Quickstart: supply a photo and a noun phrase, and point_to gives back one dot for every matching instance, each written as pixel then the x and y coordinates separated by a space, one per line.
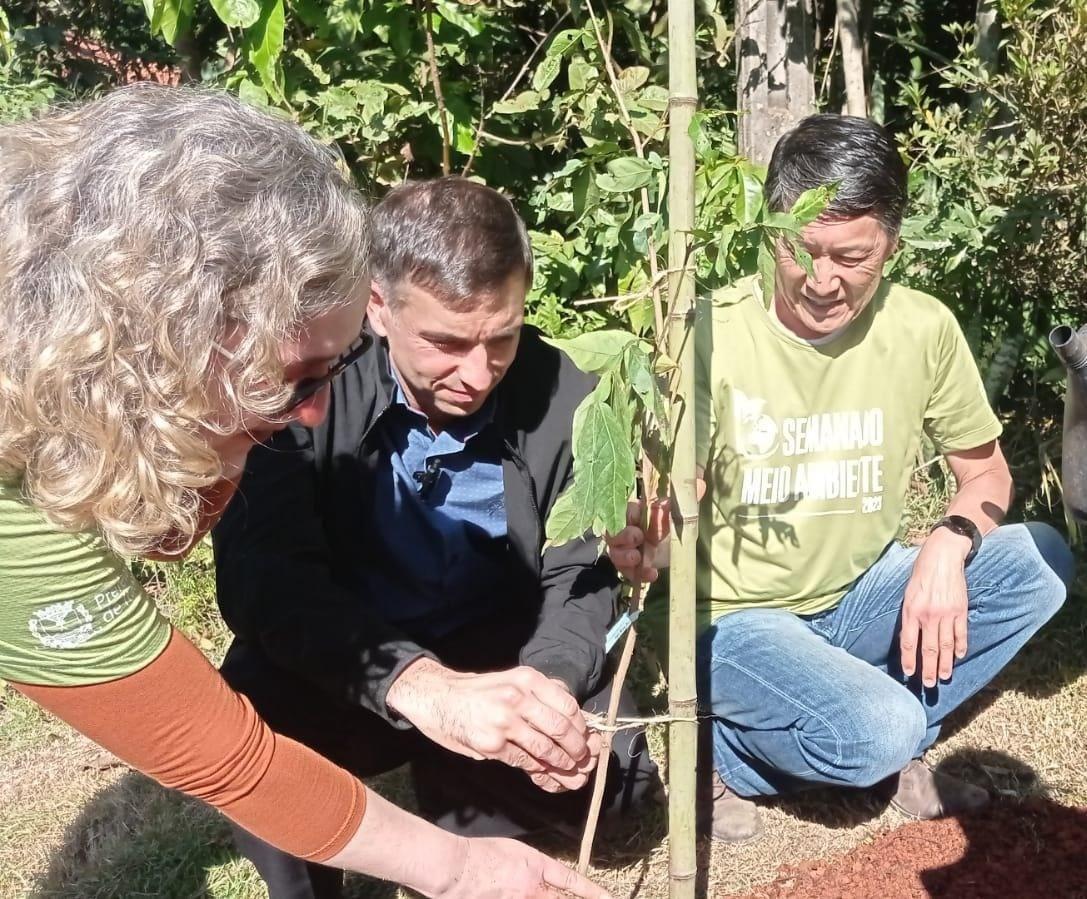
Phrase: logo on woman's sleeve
pixel 62 625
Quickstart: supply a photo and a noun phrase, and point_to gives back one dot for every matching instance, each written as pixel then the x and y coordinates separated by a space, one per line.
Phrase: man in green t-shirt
pixel 830 654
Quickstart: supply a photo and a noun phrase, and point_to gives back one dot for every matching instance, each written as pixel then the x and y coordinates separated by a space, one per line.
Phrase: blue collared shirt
pixel 439 516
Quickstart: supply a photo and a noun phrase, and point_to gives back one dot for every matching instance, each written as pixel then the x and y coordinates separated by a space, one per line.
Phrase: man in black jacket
pixel 385 573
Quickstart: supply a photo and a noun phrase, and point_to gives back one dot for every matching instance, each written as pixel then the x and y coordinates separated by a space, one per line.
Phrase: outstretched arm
pixel 179 722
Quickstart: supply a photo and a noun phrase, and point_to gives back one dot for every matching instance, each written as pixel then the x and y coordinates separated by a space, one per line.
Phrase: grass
pixel 77 825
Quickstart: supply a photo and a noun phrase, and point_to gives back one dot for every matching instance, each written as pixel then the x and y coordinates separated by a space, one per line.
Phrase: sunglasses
pixel 307 387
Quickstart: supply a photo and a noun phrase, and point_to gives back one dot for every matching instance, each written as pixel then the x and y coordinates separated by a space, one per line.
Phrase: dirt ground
pixel 1030 849
pixel 75 825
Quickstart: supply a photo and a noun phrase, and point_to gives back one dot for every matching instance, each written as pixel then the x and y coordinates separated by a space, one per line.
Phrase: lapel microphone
pixel 427 478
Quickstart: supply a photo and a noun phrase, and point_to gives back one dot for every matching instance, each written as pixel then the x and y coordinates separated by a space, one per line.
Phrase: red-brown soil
pixel 1012 851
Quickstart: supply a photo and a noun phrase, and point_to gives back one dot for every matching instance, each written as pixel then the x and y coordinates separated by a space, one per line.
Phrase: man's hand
pixel 935 607
pixel 518 716
pixel 640 554
pixel 506 869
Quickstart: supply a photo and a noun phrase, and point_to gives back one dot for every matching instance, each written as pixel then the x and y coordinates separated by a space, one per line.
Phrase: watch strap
pixel 960 524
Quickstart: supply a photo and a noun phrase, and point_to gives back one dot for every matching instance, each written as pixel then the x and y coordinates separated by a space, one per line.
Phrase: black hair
pixel 856 153
pixel 456 238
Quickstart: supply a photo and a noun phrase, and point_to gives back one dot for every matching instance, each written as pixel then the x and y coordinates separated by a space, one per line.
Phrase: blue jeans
pixel 802 701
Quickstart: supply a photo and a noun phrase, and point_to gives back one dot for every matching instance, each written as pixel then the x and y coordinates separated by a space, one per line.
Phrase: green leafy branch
pixel 627 413
pixel 626 409
pixel 786 226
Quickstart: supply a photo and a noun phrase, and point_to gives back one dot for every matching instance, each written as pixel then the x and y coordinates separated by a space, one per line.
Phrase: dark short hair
pixel 856 153
pixel 456 238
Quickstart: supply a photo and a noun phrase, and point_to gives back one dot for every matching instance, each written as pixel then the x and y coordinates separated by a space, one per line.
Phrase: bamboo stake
pixel 607 734
pixel 683 733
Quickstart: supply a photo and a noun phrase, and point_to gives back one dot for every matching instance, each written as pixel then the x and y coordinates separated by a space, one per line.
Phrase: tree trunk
pixel 775 87
pixel 683 732
pixel 988 33
pixel 849 21
pixel 987 43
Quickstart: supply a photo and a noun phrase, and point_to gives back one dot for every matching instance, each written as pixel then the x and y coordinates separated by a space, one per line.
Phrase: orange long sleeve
pixel 178 722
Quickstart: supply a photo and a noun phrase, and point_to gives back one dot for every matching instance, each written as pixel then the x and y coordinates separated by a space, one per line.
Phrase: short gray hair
pixel 857 154
pixel 138 229
pixel 456 238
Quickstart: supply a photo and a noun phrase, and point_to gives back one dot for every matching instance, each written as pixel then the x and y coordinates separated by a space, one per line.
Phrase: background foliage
pixel 561 105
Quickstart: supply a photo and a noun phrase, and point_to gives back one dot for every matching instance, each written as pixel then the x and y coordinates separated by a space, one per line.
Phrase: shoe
pixel 924 794
pixel 733 818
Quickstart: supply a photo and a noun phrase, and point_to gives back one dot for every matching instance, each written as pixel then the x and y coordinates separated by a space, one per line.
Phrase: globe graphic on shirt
pixel 756 433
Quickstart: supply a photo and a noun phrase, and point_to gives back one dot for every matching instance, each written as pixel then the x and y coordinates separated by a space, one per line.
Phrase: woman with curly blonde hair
pixel 181 276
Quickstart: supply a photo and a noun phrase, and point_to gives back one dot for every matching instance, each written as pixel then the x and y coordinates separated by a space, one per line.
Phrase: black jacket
pixel 291 549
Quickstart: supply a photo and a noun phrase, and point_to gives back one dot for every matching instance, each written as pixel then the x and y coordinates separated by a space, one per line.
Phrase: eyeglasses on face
pixel 307 387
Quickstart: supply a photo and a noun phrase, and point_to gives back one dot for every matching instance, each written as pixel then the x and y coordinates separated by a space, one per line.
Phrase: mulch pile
pixel 1012 851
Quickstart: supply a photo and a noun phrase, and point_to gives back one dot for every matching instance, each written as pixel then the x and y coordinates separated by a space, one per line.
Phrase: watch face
pixel 960 524
pixel 964 527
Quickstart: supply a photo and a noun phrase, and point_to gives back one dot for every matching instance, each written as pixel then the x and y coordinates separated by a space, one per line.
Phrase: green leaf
pixel 625 175
pixel 580 74
pixel 570 517
pixel 586 193
pixel 802 257
pixel 622 404
pixel 561 201
pixel 654 97
pixel 604 463
pixel 644 383
pixel 546 72
pixel 176 20
pixel 455 14
pixel 641 316
pixel 312 66
pixel 236 13
pixel 696 131
pixel 767 265
pixel 749 200
pixel 782 221
pixel 153 8
pixel 926 244
pixel 170 18
pixel 252 93
pixel 722 36
pixel 563 41
pixel 597 351
pixel 603 467
pixel 810 204
pixel 525 101
pixel 632 78
pixel 265 42
pixel 634 34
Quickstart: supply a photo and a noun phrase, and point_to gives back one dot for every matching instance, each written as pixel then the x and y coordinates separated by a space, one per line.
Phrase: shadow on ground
pixel 1019 847
pixel 135 838
pixel 1014 848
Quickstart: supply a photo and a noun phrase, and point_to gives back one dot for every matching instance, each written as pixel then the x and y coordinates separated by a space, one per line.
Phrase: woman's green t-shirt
pixel 71 613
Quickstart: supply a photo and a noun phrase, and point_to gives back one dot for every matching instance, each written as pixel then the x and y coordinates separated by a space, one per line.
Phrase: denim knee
pixel 1034 567
pixel 874 739
pixel 1053 550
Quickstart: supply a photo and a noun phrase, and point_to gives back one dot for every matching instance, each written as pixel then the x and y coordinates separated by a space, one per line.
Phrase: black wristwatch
pixel 960 524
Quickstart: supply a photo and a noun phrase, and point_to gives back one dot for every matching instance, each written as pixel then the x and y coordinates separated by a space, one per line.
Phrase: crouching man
pixel 385 572
pixel 830 653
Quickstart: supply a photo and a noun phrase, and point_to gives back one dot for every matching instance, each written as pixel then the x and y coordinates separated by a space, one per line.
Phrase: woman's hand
pixel 506 869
